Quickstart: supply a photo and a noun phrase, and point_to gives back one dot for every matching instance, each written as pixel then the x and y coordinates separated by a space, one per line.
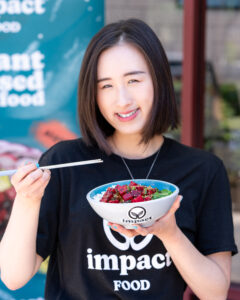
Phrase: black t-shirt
pixel 90 261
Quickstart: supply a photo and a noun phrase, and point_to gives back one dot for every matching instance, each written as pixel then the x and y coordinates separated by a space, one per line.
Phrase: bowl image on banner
pixel 128 214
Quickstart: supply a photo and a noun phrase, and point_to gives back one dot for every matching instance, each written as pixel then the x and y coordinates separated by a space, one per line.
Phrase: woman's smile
pixel 128 116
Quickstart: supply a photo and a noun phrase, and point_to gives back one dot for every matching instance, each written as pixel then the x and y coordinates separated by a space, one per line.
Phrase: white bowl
pixel 129 214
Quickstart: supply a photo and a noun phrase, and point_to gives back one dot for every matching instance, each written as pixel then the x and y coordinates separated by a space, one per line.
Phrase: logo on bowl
pixel 137 212
pixel 137 215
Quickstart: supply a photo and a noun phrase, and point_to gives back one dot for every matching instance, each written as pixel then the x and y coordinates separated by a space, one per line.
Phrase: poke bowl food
pixel 131 202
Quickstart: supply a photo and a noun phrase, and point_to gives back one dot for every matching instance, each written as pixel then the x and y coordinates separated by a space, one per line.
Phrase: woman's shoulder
pixel 190 154
pixel 68 150
pixel 66 145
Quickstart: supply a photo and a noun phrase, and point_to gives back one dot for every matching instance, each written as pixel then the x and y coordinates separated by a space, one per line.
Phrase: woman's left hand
pixel 164 227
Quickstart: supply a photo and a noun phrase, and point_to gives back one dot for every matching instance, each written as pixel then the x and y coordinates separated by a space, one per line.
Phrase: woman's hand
pixel 163 228
pixel 18 258
pixel 30 182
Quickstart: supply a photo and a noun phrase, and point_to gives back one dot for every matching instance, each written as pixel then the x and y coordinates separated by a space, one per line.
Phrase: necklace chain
pixel 152 165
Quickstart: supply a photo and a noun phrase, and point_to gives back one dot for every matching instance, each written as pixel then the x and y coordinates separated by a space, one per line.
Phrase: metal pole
pixel 192 106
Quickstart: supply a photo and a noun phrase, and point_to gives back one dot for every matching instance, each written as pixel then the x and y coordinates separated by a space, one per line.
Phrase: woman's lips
pixel 127 116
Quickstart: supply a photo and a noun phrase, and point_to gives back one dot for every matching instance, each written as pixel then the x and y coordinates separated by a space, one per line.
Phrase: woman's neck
pixel 128 146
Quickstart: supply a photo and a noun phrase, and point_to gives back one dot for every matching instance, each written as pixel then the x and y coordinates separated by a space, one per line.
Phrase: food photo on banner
pixel 41 48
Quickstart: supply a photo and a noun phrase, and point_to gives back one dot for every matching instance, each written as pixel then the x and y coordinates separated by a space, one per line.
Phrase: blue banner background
pixel 58 35
pixel 42 44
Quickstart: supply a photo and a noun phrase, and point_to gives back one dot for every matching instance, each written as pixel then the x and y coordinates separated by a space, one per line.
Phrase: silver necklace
pixel 130 173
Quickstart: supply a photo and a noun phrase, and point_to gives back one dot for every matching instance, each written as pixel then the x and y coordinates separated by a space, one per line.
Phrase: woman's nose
pixel 123 97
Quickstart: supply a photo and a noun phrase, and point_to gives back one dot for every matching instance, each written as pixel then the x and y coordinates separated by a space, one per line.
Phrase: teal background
pixel 67 27
pixel 61 33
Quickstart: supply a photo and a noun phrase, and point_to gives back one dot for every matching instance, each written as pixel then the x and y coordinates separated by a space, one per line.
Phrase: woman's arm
pixel 207 276
pixel 18 258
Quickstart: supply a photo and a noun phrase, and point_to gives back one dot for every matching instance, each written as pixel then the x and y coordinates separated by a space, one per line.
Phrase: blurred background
pixel 41 49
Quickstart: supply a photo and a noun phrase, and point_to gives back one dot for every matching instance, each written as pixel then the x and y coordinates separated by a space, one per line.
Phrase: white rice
pixel 99 196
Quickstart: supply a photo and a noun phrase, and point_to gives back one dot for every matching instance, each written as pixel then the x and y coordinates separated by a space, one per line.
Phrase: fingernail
pixel 135 227
pixel 109 226
pixel 115 227
pixel 37 165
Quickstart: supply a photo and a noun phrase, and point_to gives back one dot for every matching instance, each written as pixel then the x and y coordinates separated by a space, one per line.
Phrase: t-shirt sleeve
pixel 49 210
pixel 215 224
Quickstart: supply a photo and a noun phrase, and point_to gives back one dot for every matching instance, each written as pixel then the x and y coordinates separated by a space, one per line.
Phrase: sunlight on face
pixel 125 88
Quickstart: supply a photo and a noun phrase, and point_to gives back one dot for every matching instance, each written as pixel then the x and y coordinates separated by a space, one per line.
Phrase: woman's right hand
pixel 18 258
pixel 30 182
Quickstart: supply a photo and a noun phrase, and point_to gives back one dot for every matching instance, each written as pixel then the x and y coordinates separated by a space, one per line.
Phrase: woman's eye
pixel 106 86
pixel 133 80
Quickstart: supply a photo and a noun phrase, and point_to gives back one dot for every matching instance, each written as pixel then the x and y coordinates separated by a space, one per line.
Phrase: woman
pixel 126 103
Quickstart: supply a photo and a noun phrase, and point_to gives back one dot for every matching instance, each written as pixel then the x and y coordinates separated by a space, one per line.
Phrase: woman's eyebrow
pixel 125 74
pixel 134 73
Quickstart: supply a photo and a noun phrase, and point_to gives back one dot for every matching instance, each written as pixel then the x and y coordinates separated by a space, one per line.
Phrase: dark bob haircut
pixel 94 128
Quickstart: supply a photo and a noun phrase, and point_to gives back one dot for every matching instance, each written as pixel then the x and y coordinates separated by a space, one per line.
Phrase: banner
pixel 42 44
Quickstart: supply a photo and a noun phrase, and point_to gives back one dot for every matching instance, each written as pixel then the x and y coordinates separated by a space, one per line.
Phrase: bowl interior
pixel 148 182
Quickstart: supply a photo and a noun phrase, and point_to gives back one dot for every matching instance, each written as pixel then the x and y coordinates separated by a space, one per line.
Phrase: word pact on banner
pixel 27 7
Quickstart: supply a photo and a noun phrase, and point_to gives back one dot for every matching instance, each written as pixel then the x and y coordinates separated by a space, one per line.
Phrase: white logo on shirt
pixel 128 241
pixel 126 263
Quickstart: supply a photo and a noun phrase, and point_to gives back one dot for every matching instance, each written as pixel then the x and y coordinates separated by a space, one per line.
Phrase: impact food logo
pixel 126 262
pixel 137 212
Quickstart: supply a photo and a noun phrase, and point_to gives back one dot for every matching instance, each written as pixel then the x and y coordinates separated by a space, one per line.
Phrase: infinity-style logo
pixel 128 241
pixel 137 212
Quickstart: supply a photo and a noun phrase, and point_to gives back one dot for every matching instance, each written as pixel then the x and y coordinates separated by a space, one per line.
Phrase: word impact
pixel 125 263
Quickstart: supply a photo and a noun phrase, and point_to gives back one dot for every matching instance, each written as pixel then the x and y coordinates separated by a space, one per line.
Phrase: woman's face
pixel 125 88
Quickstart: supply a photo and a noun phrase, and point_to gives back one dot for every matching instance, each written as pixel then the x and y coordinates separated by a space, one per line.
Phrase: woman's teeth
pixel 128 115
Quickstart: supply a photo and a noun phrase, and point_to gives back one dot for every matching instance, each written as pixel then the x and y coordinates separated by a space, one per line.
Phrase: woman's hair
pixel 94 128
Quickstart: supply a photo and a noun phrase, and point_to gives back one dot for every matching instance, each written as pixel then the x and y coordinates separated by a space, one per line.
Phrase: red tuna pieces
pixel 138 199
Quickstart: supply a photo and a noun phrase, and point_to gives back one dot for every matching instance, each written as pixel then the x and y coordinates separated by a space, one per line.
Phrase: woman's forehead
pixel 121 58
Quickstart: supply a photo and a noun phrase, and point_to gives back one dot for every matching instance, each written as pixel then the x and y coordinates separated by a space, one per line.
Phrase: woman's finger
pixel 27 182
pixel 34 187
pixel 123 230
pixel 42 181
pixel 137 230
pixel 38 187
pixel 33 176
pixel 143 230
pixel 22 172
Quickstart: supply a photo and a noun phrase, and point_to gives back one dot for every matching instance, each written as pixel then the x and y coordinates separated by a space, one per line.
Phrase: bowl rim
pixel 176 192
